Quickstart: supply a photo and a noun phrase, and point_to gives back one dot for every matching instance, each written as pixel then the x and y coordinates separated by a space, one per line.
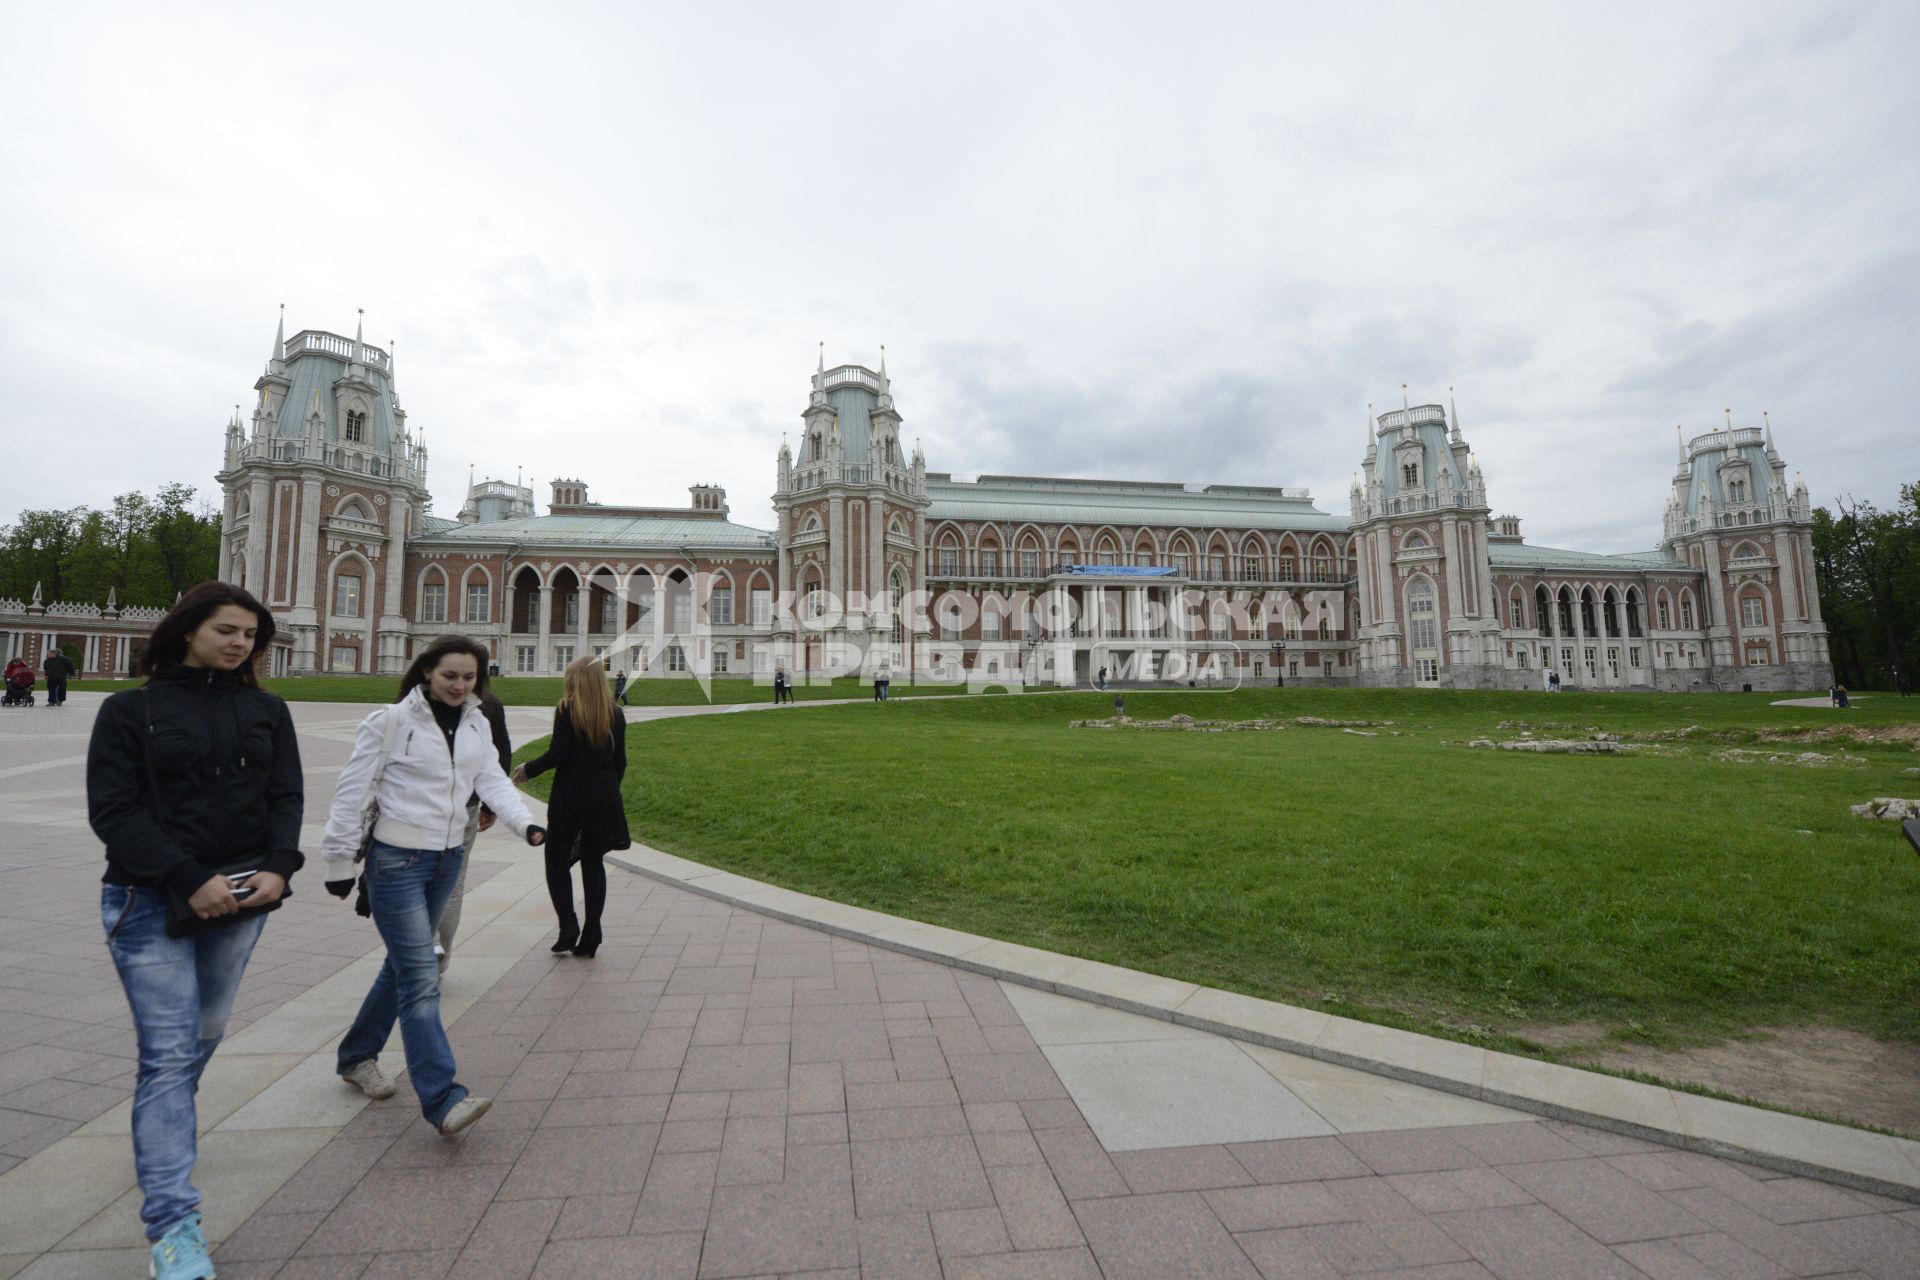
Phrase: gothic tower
pixel 1732 516
pixel 852 521
pixel 321 496
pixel 1425 590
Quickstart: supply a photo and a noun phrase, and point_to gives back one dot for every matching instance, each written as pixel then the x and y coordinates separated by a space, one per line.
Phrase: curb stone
pixel 1857 1158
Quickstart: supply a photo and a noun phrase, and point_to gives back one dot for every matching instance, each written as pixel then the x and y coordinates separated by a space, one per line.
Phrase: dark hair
pixel 446 646
pixel 167 646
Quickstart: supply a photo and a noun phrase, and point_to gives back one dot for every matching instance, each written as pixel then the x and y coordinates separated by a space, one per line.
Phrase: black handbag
pixel 182 920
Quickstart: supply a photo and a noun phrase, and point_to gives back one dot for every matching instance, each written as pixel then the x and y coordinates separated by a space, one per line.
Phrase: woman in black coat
pixel 585 816
pixel 195 787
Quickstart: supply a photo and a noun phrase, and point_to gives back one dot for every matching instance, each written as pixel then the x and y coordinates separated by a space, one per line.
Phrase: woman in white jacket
pixel 430 751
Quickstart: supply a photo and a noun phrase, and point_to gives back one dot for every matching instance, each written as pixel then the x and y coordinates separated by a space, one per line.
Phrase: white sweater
pixel 423 793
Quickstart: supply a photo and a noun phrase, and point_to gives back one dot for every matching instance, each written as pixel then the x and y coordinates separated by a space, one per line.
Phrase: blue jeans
pixel 181 991
pixel 408 891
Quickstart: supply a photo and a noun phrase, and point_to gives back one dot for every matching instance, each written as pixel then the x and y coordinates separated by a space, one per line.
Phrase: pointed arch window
pixel 356 427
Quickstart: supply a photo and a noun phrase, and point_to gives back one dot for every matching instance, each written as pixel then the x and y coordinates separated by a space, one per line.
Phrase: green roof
pixel 1061 500
pixel 637 532
pixel 1512 555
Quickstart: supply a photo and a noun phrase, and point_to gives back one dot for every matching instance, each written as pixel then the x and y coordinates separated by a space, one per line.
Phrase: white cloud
pixel 1107 240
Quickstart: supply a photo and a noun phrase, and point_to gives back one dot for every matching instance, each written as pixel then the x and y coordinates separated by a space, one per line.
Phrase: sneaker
pixel 370 1080
pixel 181 1254
pixel 464 1113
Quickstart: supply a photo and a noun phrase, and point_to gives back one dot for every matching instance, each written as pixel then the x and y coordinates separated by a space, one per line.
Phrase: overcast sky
pixel 1171 242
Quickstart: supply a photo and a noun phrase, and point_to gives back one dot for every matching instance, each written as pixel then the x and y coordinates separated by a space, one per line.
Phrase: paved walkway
pixel 721 1094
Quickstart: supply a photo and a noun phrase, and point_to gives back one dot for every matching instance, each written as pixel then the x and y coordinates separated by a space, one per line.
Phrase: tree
pixel 145 549
pixel 1868 563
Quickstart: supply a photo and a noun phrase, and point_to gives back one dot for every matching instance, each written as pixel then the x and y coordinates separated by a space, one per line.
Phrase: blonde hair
pixel 587 700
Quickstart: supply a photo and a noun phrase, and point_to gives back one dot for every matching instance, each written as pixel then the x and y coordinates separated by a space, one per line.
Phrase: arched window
pixel 1516 609
pixel 1423 637
pixel 1543 609
pixel 356 432
pixel 1753 610
pixel 1416 541
pixel 433 596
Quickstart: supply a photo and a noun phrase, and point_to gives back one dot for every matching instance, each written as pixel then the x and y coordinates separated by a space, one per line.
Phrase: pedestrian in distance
pixel 401 801
pixel 886 684
pixel 878 688
pixel 479 819
pixel 781 693
pixel 1840 696
pixel 58 669
pixel 195 787
pixel 586 819
pixel 620 687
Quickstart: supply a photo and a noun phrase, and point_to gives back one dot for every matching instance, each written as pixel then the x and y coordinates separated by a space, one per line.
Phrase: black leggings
pixel 593 877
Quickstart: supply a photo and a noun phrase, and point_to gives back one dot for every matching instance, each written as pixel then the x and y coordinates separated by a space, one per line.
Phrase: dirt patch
pixel 1823 1069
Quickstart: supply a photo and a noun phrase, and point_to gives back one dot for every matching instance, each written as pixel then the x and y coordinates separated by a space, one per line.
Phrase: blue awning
pixel 1118 570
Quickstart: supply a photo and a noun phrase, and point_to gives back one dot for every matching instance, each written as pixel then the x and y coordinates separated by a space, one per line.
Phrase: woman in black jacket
pixel 193 780
pixel 585 816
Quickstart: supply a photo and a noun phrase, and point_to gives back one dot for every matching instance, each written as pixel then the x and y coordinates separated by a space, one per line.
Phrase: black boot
pixel 569 934
pixel 589 942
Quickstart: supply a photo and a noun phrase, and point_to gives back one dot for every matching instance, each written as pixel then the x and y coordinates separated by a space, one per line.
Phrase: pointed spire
pixel 36 593
pixel 1729 414
pixel 883 362
pixel 359 335
pixel 393 352
pixel 280 335
pixel 1369 426
pixel 112 599
pixel 823 358
pixel 1454 413
pixel 1768 419
pixel 1680 441
pixel 1799 482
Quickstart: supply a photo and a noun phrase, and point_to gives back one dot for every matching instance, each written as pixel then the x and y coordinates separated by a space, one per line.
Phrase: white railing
pixel 334 344
pixel 1725 440
pixel 851 375
pixel 70 609
pixel 1413 417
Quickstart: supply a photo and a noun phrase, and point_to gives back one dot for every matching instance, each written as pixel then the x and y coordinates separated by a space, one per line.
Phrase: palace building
pixel 876 563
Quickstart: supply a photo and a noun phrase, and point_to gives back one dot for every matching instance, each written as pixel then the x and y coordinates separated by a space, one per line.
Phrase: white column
pixel 307 554
pixel 1804 546
pixel 258 519
pixel 543 603
pixel 837 549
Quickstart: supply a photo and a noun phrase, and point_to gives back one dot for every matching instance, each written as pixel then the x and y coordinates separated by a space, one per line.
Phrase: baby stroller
pixel 19 680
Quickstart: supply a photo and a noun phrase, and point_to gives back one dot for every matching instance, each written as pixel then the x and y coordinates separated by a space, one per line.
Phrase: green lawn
pixel 544 691
pixel 1671 897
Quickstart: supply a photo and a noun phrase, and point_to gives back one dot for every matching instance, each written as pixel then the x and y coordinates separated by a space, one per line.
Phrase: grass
pixel 544 691
pixel 1671 897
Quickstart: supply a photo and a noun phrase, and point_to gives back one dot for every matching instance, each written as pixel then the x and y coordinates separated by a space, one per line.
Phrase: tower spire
pixel 1767 418
pixel 280 335
pixel 1680 442
pixel 1729 414
pixel 823 358
pixel 1369 426
pixel 883 362
pixel 1454 413
pixel 359 331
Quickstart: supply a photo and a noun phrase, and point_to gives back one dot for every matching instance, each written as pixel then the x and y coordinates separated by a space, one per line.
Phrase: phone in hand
pixel 241 889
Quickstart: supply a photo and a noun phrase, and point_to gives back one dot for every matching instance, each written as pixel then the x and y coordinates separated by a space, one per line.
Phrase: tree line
pixel 1868 563
pixel 146 549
